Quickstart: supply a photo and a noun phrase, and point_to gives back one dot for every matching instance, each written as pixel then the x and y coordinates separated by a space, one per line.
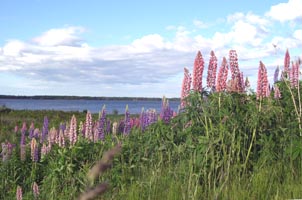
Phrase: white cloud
pixel 200 24
pixel 282 12
pixel 63 36
pixel 298 35
pixel 13 48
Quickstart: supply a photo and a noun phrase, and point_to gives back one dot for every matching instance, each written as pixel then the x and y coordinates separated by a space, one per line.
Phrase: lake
pixel 93 106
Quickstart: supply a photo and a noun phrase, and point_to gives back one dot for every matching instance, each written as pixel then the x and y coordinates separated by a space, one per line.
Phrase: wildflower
pixel 45 150
pixel 286 64
pixel 88 126
pixel 221 83
pixel 277 94
pixel 23 130
pixel 22 152
pixel 166 111
pixel 61 139
pixel 34 150
pixel 186 86
pixel 44 130
pixel 114 128
pixel 36 191
pixel 102 124
pixel 294 74
pixel 19 193
pixel 212 68
pixel 73 130
pixel 237 76
pixel 127 126
pixel 197 72
pixel 31 130
pixel 7 149
pixel 16 129
pixel 262 83
pixel 276 74
pixel 53 136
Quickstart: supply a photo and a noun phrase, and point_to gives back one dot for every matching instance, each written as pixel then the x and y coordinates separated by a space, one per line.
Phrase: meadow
pixel 225 142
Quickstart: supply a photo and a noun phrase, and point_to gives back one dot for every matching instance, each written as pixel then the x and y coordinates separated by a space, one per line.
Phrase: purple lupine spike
pixel 44 130
pixel 102 124
pixel 108 126
pixel 276 74
pixel 143 120
pixel 166 111
pixel 23 130
pixel 63 127
pixel 31 130
pixel 127 125
pixel 19 194
pixel 73 130
pixel 34 150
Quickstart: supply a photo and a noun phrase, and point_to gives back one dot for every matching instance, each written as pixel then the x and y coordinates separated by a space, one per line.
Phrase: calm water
pixel 93 106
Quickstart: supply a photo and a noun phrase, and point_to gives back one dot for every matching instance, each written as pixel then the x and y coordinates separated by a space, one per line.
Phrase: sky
pixel 137 48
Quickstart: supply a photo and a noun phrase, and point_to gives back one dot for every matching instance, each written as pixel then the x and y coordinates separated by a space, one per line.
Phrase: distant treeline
pixel 54 97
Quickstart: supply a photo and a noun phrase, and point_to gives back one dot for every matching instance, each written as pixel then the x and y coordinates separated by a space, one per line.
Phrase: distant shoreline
pixel 55 97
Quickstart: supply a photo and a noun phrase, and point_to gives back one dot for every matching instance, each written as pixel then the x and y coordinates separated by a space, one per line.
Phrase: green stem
pixel 250 149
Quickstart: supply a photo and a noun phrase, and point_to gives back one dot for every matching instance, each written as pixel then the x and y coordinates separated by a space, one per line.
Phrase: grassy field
pixel 224 146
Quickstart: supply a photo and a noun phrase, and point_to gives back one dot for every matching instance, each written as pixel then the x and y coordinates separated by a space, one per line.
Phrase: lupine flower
pixel 143 120
pixel 45 150
pixel 262 83
pixel 221 83
pixel 127 126
pixel 277 94
pixel 186 86
pixel 108 126
pixel 102 124
pixel 36 191
pixel 37 133
pixel 294 74
pixel 19 194
pixel 81 129
pixel 88 126
pixel 22 152
pixel 96 136
pixel 237 77
pixel 61 139
pixel 197 72
pixel 212 68
pixel 166 111
pixel 44 130
pixel 31 130
pixel 276 74
pixel 53 136
pixel 73 130
pixel 34 152
pixel 23 130
pixel 7 149
pixel 286 64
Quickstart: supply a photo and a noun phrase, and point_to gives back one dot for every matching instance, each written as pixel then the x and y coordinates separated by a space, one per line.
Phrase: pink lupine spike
pixel 212 68
pixel 197 72
pixel 73 130
pixel 262 83
pixel 221 82
pixel 277 93
pixel 286 63
pixel 186 86
pixel 88 126
pixel 19 194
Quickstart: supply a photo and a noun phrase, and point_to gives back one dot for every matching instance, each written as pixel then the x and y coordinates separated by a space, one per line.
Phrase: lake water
pixel 93 106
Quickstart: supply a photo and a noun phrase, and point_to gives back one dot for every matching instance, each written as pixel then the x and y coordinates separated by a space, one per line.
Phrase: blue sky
pixel 136 48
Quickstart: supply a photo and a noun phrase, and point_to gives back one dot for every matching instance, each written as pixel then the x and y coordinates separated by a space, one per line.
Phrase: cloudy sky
pixel 135 47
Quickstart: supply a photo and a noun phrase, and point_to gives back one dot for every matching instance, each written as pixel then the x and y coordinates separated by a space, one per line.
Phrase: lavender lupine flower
pixel 221 83
pixel 19 194
pixel 35 189
pixel 102 124
pixel 44 130
pixel 88 126
pixel 37 133
pixel 186 86
pixel 212 68
pixel 277 93
pixel 262 83
pixel 127 125
pixel 276 74
pixel 108 126
pixel 166 111
pixel 197 72
pixel 73 137
pixel 31 130
pixel 34 152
